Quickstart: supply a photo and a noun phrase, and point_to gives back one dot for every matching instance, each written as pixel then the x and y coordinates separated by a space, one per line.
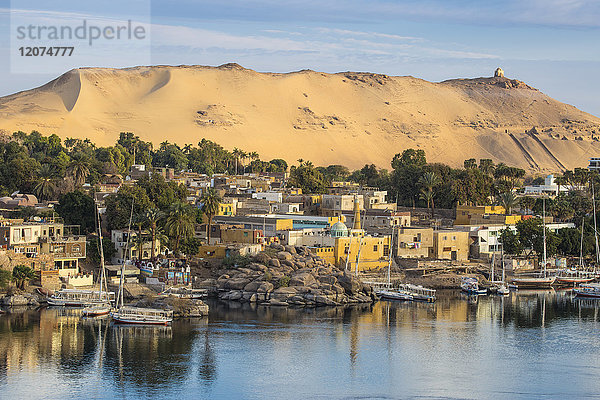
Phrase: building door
pixel 453 255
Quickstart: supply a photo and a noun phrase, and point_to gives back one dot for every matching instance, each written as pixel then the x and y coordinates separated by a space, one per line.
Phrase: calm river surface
pixel 528 345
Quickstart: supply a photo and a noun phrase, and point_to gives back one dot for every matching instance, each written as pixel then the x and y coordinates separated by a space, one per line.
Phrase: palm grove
pixel 58 170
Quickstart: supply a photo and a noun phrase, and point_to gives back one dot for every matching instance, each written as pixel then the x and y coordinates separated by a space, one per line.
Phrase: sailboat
pixel 82 297
pixel 542 281
pixel 388 292
pixel 576 275
pixel 136 315
pixel 101 308
pixel 503 288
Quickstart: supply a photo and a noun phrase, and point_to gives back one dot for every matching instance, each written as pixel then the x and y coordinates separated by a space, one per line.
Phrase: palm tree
pixel 508 200
pixel 179 222
pixel 254 157
pixel 237 153
pixel 210 207
pixel 152 217
pixel 46 185
pixel 428 181
pixel 78 169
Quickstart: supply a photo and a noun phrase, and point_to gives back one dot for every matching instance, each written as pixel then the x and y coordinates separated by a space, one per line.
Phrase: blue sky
pixel 550 44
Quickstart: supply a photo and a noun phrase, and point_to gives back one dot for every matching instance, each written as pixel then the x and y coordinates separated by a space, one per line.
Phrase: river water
pixel 528 345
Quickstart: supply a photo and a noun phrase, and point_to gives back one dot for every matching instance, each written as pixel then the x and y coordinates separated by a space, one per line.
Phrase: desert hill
pixel 348 118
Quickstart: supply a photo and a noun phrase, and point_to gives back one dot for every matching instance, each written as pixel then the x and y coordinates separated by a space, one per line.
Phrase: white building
pixel 549 188
pixel 275 197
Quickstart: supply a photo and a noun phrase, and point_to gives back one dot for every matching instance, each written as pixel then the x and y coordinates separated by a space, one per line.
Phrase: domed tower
pixel 339 229
pixel 499 73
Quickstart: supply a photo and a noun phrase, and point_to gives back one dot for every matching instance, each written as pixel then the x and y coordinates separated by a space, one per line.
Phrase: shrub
pixel 5 277
pixel 21 274
pixel 236 260
pixel 284 281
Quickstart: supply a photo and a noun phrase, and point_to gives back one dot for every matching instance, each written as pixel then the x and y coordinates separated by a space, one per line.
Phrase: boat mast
pixel 544 230
pixel 595 226
pixel 389 271
pixel 581 244
pixel 503 274
pixel 122 280
pixel 102 270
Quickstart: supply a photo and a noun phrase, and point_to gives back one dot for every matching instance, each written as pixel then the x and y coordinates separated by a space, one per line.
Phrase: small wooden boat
pixel 96 311
pixel 588 290
pixel 573 276
pixel 470 286
pixel 142 316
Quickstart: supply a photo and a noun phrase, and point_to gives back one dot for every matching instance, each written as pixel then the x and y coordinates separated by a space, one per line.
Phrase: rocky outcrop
pixel 19 299
pixel 291 276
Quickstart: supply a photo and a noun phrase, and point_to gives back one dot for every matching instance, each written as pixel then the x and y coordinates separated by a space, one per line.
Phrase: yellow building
pixel 226 209
pixel 451 245
pixel 369 252
pixel 414 242
pixel 465 213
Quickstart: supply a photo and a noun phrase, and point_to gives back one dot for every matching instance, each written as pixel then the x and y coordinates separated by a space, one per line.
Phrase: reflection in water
pixel 247 351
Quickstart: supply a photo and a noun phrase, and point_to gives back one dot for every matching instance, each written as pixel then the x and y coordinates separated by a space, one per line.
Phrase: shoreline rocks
pixel 291 276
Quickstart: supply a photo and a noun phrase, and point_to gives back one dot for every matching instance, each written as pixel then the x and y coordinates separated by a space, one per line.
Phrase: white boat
pixel 470 286
pixel 419 293
pixel 185 293
pixel 80 298
pixel 142 316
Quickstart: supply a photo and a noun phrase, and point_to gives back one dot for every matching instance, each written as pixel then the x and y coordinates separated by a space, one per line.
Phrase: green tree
pixel 210 207
pixel 93 250
pixel 21 275
pixel 531 237
pixel 78 169
pixel 307 178
pixel 77 208
pixel 179 223
pixel 5 278
pixel 510 241
pixel 45 186
pixel 118 206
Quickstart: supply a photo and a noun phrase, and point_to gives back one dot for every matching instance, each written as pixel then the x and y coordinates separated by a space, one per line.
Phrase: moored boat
pixel 142 316
pixel 533 282
pixel 80 298
pixel 470 286
pixel 588 290
pixel 394 295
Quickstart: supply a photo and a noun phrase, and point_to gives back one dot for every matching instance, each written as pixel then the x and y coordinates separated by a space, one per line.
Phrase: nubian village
pixel 174 229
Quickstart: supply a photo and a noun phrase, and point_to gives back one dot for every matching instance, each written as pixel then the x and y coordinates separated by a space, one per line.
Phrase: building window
pixel 374 247
pixel 445 237
pixel 453 237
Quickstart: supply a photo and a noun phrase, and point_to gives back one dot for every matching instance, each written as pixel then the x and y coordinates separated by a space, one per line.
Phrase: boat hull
pixel 534 283
pixel 395 296
pixel 120 320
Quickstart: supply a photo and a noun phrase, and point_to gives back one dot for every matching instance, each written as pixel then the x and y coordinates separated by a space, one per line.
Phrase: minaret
pixel 356 224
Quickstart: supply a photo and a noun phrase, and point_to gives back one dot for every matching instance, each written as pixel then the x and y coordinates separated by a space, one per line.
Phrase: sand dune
pixel 347 118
